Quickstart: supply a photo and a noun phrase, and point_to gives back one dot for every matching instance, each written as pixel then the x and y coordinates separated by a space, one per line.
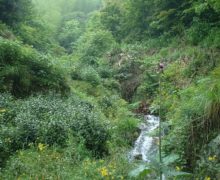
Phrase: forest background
pixel 74 74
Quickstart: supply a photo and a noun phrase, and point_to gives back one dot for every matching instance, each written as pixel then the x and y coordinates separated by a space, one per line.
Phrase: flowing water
pixel 146 146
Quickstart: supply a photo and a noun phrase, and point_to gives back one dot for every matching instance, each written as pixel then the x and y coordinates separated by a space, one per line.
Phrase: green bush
pixel 58 164
pixel 213 39
pixel 201 62
pixel 90 75
pixel 198 32
pixel 127 131
pixel 15 11
pixel 69 34
pixel 51 120
pixel 93 45
pixel 24 71
pixel 34 163
pixel 209 163
pixel 105 71
pixel 5 32
pixel 111 84
pixel 194 122
pixel 37 34
pixel 86 73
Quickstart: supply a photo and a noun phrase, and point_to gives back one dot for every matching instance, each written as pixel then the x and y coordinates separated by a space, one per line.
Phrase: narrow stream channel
pixel 146 146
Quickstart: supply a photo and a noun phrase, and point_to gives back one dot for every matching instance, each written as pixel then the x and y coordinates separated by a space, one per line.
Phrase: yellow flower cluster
pixel 207 178
pixel 109 171
pixel 2 110
pixel 41 146
pixel 104 172
pixel 178 168
pixel 212 158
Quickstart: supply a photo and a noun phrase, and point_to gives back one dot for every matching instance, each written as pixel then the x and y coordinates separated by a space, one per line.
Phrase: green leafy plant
pixel 24 71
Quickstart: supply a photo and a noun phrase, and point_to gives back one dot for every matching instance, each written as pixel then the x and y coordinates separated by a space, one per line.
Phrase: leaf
pixel 170 172
pixel 170 159
pixel 141 171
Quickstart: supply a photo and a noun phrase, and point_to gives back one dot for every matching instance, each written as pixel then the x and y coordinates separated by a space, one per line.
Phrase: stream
pixel 145 146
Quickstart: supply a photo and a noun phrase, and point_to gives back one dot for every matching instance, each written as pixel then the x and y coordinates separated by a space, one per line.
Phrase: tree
pixel 69 34
pixel 93 45
pixel 15 11
pixel 86 5
pixel 112 16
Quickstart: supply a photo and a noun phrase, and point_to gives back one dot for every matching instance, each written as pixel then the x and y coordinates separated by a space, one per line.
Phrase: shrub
pixel 57 164
pixel 36 33
pixel 127 131
pixel 6 33
pixel 105 71
pixel 69 34
pixel 194 122
pixel 33 163
pixel 112 84
pixel 213 39
pixel 51 120
pixel 93 45
pixel 197 32
pixel 14 12
pixel 201 62
pixel 90 75
pixel 209 162
pixel 86 73
pixel 24 71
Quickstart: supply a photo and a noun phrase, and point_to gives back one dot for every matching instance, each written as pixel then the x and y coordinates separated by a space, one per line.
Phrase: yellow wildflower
pixel 2 110
pixel 178 168
pixel 212 158
pixel 41 146
pixel 104 171
pixel 207 178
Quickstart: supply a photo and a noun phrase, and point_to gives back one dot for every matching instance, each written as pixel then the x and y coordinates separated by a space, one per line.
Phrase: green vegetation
pixel 73 73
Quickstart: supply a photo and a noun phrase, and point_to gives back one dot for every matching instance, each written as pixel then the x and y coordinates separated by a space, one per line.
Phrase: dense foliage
pixel 24 71
pixel 13 12
pixel 74 72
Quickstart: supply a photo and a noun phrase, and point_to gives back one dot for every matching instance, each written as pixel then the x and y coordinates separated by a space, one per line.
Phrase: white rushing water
pixel 146 146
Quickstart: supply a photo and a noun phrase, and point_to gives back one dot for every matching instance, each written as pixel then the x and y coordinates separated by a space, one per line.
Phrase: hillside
pixel 78 76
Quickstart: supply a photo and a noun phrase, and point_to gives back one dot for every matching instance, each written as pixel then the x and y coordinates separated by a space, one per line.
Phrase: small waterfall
pixel 146 146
